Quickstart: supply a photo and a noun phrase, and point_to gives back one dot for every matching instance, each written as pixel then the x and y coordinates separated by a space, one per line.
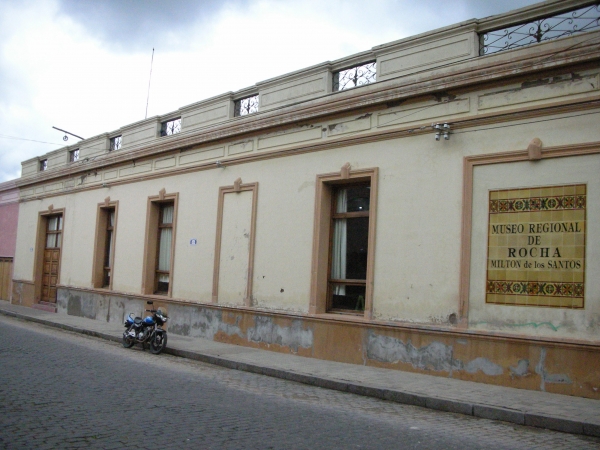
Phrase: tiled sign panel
pixel 536 246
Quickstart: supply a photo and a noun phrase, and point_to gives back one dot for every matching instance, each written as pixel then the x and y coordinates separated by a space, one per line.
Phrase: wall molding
pixel 500 117
pixel 469 164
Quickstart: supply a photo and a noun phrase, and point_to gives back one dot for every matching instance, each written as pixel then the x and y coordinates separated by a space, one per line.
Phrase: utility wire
pixel 30 140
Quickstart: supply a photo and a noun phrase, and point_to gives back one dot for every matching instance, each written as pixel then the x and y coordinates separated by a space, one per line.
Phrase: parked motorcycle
pixel 147 331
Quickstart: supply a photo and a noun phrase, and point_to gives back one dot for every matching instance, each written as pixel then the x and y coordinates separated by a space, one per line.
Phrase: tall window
pixel 109 247
pixel 43 165
pixel 104 255
pixel 163 255
pixel 349 248
pixel 159 251
pixel 343 256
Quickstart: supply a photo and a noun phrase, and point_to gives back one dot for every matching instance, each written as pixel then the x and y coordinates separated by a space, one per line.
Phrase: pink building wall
pixel 9 217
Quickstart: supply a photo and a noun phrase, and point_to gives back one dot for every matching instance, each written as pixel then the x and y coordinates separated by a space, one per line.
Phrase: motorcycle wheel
pixel 158 343
pixel 127 341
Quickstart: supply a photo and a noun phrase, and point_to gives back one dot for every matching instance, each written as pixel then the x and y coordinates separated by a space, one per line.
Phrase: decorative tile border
pixel 535 288
pixel 554 203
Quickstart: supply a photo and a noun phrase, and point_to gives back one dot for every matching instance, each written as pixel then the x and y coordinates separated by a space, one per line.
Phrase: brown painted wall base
pixel 23 293
pixel 557 367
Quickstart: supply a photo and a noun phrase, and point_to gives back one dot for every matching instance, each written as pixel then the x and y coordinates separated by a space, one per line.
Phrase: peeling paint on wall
pixel 485 365
pixel 546 377
pixel 435 356
pixel 516 325
pixel 294 336
pixel 522 369
pixel 200 322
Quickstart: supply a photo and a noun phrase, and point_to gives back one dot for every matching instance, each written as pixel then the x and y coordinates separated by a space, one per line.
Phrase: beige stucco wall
pixel 418 225
pixel 544 321
pixel 420 200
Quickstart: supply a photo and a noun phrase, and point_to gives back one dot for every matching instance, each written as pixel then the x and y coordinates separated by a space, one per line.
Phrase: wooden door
pixel 5 277
pixel 51 258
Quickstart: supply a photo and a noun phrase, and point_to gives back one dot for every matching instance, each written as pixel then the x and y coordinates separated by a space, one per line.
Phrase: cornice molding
pixel 373 136
pixel 485 70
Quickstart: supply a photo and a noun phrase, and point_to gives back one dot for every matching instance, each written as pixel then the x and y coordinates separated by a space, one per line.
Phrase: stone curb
pixel 409 398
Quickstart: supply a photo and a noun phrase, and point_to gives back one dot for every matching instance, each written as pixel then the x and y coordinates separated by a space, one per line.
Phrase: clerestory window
pixel 245 106
pixel 355 76
pixel 115 143
pixel 170 127
pixel 74 155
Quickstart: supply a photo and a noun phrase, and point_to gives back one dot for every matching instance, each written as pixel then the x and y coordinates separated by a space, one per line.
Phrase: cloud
pixel 135 24
pixel 83 65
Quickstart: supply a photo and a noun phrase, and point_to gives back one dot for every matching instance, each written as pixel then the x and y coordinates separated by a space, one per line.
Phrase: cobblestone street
pixel 62 390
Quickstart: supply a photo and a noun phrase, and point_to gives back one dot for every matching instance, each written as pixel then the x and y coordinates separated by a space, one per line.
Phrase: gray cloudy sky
pixel 83 65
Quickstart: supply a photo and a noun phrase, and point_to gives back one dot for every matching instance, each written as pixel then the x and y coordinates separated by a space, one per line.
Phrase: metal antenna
pixel 149 79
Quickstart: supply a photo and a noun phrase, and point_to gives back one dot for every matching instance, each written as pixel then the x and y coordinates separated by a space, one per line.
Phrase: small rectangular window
pixel 54 231
pixel 355 76
pixel 170 127
pixel 74 155
pixel 163 255
pixel 115 143
pixel 245 106
pixel 43 165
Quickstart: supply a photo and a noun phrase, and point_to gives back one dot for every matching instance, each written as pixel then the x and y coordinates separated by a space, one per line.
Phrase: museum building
pixel 429 205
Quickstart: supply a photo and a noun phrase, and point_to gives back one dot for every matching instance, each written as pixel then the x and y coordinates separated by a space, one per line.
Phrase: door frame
pixel 40 246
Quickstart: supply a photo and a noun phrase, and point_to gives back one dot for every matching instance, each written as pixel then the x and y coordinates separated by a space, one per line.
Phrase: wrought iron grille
pixel 74 155
pixel 115 143
pixel 43 165
pixel 170 127
pixel 544 29
pixel 245 106
pixel 355 76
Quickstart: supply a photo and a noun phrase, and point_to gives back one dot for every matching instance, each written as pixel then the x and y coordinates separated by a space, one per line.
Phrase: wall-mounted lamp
pixel 441 130
pixel 220 164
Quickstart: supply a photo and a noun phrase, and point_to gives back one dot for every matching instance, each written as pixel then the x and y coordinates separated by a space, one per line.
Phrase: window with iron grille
pixel 115 143
pixel 74 155
pixel 245 106
pixel 544 29
pixel 170 127
pixel 43 165
pixel 355 76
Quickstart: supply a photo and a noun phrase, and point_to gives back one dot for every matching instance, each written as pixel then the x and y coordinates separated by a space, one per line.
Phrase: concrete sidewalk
pixel 539 409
